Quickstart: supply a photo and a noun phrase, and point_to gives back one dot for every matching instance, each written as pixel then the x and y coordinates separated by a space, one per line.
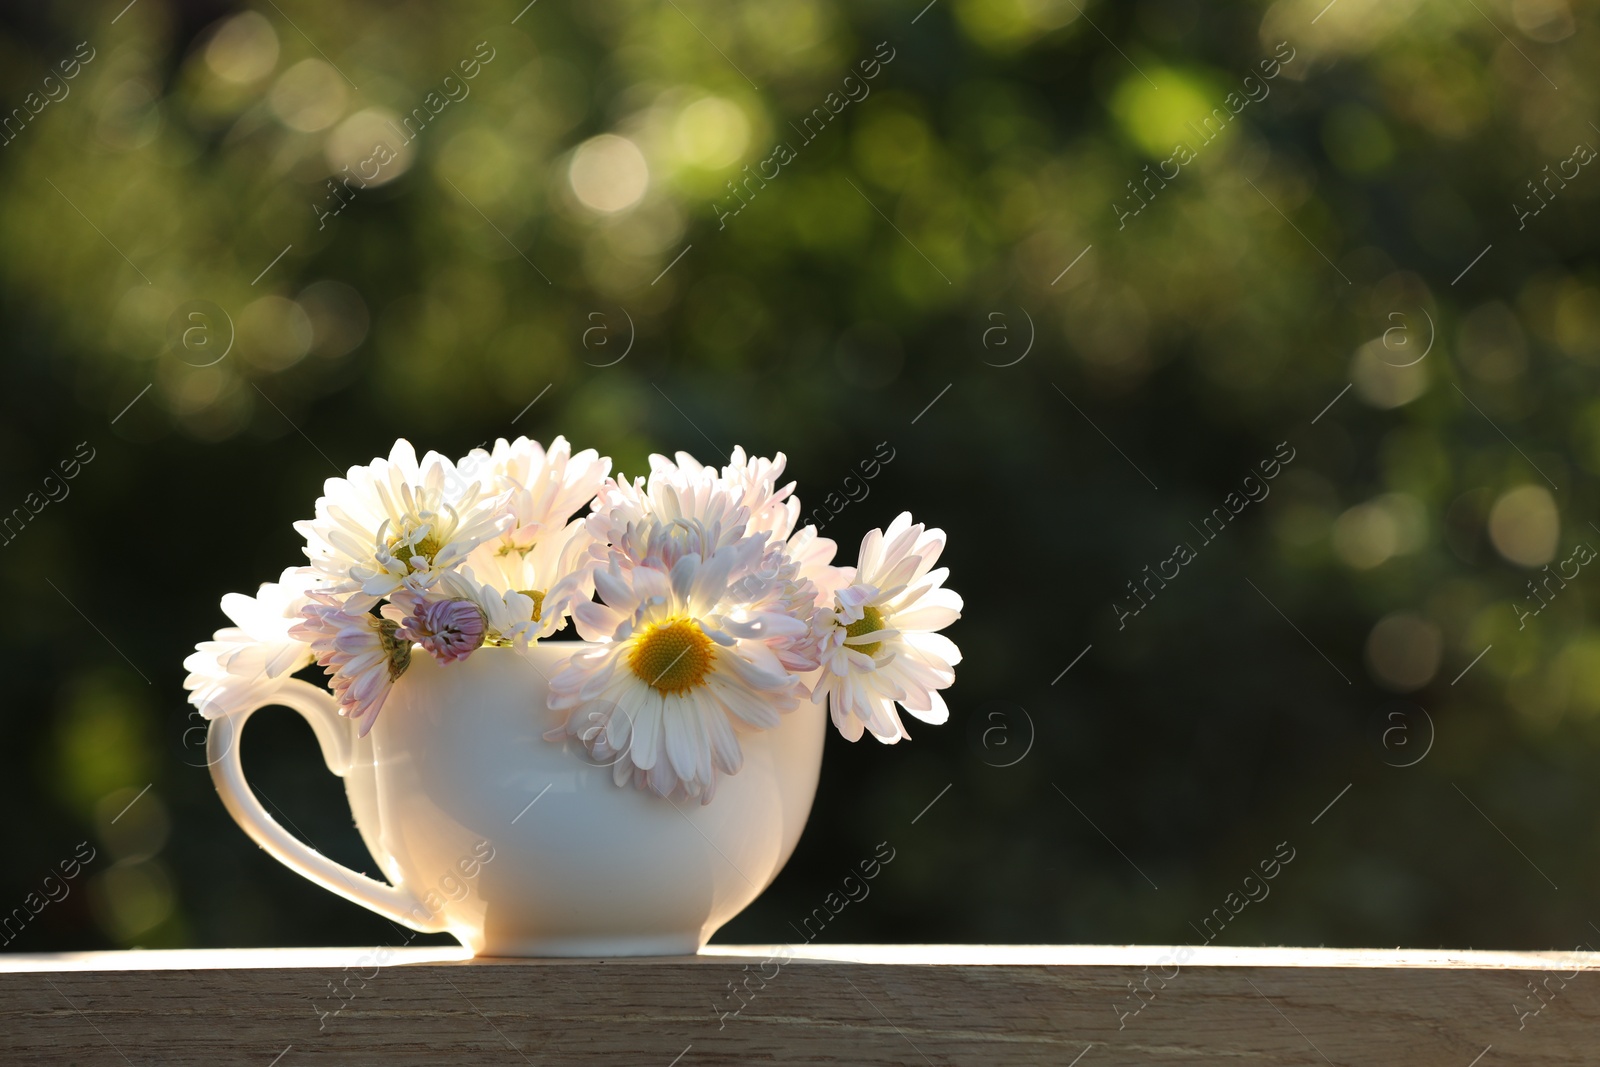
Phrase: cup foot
pixel 593 947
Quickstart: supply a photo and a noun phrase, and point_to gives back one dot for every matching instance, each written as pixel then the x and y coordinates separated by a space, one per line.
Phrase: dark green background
pixel 1177 353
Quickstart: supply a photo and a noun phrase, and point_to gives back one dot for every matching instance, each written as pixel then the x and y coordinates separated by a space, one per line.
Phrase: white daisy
pixel 777 588
pixel 773 509
pixel 632 515
pixel 767 597
pixel 555 573
pixel 879 648
pixel 685 507
pixel 814 553
pixel 545 552
pixel 683 487
pixel 674 678
pixel 752 481
pixel 251 659
pixel 393 518
pixel 362 653
pixel 548 488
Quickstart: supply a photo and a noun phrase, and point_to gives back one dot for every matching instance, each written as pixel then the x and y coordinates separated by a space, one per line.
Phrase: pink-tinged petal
pixel 678 736
pixel 372 709
pixel 352 641
pixel 596 622
pixel 711 583
pixel 662 781
pixel 933 649
pixel 777 624
pixel 649 583
pixel 600 682
pixel 618 725
pixel 899 545
pixel 853 597
pixel 704 770
pixel 622 773
pixel 725 750
pixel 936 713
pixel 855 701
pixel 928 585
pixel 849 727
pixel 363 601
pixel 930 547
pixel 893 579
pixel 927 617
pixel 755 709
pixel 857 659
pixel 871 554
pixel 288 658
pixel 916 684
pixel 885 724
pixel 682 576
pixel 614 590
pixel 752 676
pixel 647 733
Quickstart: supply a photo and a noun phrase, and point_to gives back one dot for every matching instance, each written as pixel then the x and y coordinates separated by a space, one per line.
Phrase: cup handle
pixel 333 732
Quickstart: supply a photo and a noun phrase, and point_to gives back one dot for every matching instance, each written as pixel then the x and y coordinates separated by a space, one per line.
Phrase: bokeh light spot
pixel 371 145
pixel 1381 382
pixel 309 96
pixel 243 49
pixel 1403 651
pixel 711 133
pixel 1005 25
pixel 1157 117
pixel 608 174
pixel 1524 525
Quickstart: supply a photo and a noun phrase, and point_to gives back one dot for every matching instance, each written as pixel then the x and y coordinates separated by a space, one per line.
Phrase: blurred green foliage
pixel 1373 201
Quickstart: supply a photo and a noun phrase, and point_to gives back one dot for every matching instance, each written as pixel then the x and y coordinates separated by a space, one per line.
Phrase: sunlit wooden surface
pixel 849 1004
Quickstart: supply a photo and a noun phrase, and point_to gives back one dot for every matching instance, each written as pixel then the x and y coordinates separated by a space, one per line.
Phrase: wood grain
pixel 859 1005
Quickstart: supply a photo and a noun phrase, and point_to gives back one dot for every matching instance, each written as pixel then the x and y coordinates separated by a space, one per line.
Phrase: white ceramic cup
pixel 520 846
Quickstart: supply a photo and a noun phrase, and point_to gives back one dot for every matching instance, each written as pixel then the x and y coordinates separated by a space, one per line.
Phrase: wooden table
pixel 845 1004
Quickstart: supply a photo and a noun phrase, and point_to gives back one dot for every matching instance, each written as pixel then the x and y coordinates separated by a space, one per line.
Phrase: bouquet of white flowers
pixel 703 613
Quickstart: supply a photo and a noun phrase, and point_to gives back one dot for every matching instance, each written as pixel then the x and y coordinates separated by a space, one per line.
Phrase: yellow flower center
pixel 871 621
pixel 537 596
pixel 672 656
pixel 427 548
